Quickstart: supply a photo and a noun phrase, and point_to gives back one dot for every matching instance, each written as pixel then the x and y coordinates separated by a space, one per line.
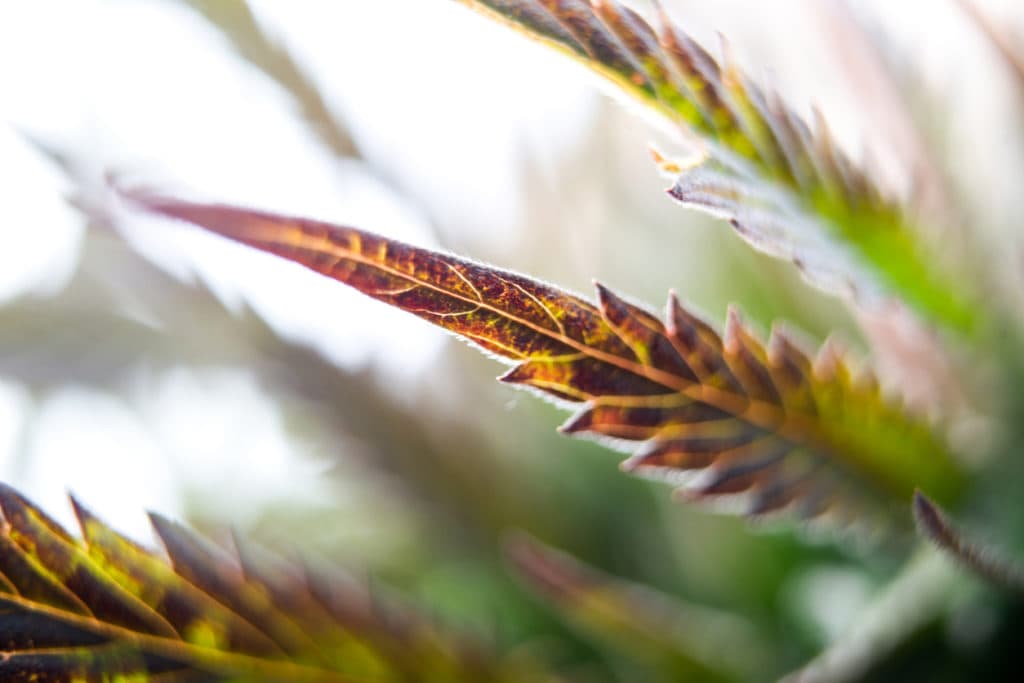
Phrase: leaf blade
pixel 634 374
pixel 834 224
pixel 111 632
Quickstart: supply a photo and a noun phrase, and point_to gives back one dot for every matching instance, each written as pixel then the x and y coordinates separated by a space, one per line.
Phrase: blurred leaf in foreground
pixel 681 640
pixel 105 608
pixel 797 435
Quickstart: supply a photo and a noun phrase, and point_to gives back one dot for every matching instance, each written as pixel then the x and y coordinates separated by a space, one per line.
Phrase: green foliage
pixel 785 188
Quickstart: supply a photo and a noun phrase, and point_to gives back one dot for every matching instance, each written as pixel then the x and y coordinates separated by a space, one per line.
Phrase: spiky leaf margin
pixel 107 609
pixel 792 434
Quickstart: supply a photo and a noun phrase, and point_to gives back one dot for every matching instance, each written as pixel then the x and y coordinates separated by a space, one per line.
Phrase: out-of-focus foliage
pixel 428 483
pixel 683 639
pixel 786 189
pixel 105 607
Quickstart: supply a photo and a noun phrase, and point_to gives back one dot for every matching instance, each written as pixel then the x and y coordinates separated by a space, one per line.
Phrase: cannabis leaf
pixel 107 609
pixel 681 638
pixel 796 435
pixel 786 189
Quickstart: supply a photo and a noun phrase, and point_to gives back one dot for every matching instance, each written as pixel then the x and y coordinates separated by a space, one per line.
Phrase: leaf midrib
pixel 798 428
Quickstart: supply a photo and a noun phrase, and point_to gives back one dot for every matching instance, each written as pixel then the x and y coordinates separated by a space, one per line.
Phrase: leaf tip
pixel 733 336
pixel 82 514
pixel 632 463
pixel 829 361
pixel 580 422
pixel 929 518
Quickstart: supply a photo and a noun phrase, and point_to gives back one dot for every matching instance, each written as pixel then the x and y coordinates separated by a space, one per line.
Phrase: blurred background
pixel 147 366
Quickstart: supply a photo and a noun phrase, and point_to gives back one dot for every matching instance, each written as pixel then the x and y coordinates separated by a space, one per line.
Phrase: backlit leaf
pixel 684 640
pixel 721 416
pixel 107 609
pixel 784 185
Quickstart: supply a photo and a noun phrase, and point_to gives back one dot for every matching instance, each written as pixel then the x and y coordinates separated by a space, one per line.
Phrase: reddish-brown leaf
pixel 754 420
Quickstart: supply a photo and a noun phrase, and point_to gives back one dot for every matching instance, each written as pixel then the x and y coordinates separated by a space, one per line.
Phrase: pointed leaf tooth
pixel 701 75
pixel 787 359
pixel 693 453
pixel 826 157
pixel 195 615
pixel 670 455
pixel 580 422
pixel 69 564
pixel 218 574
pixel 739 477
pixel 829 364
pixel 195 559
pixel 635 35
pixel 699 344
pixel 643 44
pixel 746 358
pixel 784 126
pixel 578 18
pixel 739 469
pixel 778 495
pixel 792 372
pixel 548 378
pixel 538 19
pixel 643 332
pixel 13 504
pixel 732 339
pixel 690 329
pixel 671 419
pixel 580 378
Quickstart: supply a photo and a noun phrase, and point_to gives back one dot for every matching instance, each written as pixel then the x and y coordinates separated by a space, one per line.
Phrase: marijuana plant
pixel 761 428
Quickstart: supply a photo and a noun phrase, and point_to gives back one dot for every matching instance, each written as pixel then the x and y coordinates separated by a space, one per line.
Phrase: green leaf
pixel 786 189
pixel 680 639
pixel 105 608
pixel 768 422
